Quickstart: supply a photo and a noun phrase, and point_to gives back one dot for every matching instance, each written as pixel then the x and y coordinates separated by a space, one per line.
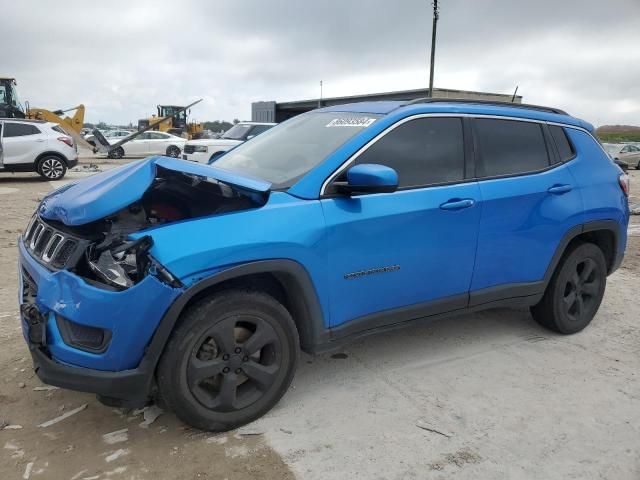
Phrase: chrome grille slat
pixel 52 247
pixel 49 245
pixel 36 236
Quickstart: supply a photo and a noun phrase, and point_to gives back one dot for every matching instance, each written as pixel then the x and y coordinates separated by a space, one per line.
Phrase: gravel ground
pixel 487 395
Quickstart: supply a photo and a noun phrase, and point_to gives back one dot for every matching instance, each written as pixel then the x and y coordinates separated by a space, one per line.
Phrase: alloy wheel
pixel 581 290
pixel 52 168
pixel 234 363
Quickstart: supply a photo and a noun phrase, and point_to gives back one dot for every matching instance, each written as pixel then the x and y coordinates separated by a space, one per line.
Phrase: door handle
pixel 457 204
pixel 560 189
pixel 39 140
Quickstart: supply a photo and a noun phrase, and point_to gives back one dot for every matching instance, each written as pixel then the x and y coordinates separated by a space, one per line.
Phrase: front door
pixel 22 142
pixel 409 253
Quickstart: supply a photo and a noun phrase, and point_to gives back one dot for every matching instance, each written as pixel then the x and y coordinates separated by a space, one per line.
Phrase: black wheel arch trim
pixel 51 154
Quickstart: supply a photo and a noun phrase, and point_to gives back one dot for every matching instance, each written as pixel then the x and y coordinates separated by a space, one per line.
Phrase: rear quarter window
pixel 509 147
pixel 565 149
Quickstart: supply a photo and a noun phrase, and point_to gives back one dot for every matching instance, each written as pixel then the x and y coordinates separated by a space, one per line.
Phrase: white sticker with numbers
pixel 361 122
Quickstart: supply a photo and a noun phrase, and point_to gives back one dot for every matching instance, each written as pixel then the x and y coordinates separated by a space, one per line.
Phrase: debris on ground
pixel 249 430
pixel 116 437
pixel 53 421
pixel 10 427
pixel 635 209
pixel 21 385
pixel 149 413
pixel 429 428
pixel 45 388
pixel 117 454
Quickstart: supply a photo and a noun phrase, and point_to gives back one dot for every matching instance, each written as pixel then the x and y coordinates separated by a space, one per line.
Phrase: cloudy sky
pixel 121 58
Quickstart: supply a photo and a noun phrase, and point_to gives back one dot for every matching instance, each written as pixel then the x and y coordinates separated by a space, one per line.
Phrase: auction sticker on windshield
pixel 351 122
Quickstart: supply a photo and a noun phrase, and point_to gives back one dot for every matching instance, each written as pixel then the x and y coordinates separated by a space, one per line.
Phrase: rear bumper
pixel 72 162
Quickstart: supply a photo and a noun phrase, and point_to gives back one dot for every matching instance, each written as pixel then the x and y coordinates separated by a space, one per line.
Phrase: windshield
pixel 284 153
pixel 237 132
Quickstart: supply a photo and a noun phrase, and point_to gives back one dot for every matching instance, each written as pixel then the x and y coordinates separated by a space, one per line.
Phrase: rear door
pixel 158 143
pixel 22 143
pixel 529 202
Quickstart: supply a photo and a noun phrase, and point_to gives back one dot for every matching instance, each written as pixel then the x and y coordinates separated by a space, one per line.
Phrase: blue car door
pixel 410 253
pixel 529 202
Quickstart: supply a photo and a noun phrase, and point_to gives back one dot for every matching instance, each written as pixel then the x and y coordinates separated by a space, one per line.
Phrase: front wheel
pixel 230 360
pixel 51 168
pixel 575 291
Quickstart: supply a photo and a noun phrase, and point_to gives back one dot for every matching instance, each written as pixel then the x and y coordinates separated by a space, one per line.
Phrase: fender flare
pixel 291 274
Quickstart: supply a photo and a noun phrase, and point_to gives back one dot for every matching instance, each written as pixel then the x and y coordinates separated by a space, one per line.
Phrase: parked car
pixel 36 146
pixel 111 135
pixel 199 284
pixel 207 149
pixel 150 143
pixel 628 153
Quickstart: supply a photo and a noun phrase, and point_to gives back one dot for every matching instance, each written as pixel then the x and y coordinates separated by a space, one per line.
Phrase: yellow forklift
pixel 172 119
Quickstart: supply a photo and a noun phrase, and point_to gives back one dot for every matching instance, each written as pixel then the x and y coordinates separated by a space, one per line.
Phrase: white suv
pixel 36 146
pixel 206 150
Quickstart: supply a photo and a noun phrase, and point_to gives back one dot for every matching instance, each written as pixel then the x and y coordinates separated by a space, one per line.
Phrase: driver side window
pixel 425 151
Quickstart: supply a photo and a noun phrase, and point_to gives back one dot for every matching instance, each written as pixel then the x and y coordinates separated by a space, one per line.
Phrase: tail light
pixel 623 180
pixel 66 140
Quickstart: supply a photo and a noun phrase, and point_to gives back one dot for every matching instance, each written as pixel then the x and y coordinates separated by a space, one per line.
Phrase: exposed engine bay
pixel 113 259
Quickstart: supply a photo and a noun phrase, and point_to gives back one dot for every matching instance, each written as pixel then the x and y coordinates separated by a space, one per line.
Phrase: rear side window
pixel 509 147
pixel 58 129
pixel 425 151
pixel 562 142
pixel 19 129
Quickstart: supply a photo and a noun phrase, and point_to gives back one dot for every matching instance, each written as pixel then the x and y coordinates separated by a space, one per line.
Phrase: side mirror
pixel 369 178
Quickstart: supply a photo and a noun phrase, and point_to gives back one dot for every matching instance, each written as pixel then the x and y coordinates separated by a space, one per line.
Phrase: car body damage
pixel 105 210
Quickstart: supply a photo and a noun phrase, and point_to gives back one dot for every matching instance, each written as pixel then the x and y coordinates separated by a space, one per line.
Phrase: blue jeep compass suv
pixel 197 285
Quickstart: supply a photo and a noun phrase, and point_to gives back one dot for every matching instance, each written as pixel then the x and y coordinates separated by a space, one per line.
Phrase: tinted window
pixel 423 151
pixel 258 129
pixel 19 130
pixel 562 142
pixel 57 128
pixel 509 147
pixel 157 136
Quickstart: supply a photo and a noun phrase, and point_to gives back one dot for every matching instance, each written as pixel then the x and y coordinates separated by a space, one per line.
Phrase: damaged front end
pixel 92 291
pixel 157 191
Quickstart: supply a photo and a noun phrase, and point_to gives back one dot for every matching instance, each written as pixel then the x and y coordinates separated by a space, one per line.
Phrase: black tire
pixel 216 339
pixel 173 151
pixel 51 167
pixel 575 291
pixel 116 153
pixel 638 166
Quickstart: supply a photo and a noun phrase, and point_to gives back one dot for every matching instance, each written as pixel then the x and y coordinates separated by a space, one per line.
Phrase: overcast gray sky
pixel 121 58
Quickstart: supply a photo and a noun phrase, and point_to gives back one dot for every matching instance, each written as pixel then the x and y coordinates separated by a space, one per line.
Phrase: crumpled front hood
pixel 108 192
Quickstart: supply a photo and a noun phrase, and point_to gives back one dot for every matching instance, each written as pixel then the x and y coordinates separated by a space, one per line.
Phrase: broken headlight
pixel 120 265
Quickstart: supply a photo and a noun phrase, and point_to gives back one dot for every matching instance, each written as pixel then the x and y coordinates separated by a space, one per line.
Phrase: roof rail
pixel 487 102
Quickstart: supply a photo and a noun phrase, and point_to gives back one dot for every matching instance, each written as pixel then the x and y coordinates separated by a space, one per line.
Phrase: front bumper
pixel 131 316
pixel 200 157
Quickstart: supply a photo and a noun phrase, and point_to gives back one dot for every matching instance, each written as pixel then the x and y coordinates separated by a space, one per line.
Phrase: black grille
pixel 189 148
pixel 48 244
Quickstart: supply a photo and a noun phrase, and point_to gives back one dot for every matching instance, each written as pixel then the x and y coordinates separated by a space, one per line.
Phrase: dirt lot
pixel 489 395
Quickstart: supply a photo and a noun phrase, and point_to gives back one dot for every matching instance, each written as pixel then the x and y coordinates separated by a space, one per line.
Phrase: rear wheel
pixel 51 168
pixel 173 151
pixel 575 291
pixel 229 361
pixel 116 153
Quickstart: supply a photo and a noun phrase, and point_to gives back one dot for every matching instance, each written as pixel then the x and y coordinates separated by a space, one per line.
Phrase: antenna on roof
pixel 513 99
pixel 436 15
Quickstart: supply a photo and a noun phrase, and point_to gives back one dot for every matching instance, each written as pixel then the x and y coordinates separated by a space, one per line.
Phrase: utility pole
pixel 320 99
pixel 433 44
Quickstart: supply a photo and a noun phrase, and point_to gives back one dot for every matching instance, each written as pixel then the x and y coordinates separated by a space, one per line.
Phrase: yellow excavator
pixel 172 119
pixel 10 107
